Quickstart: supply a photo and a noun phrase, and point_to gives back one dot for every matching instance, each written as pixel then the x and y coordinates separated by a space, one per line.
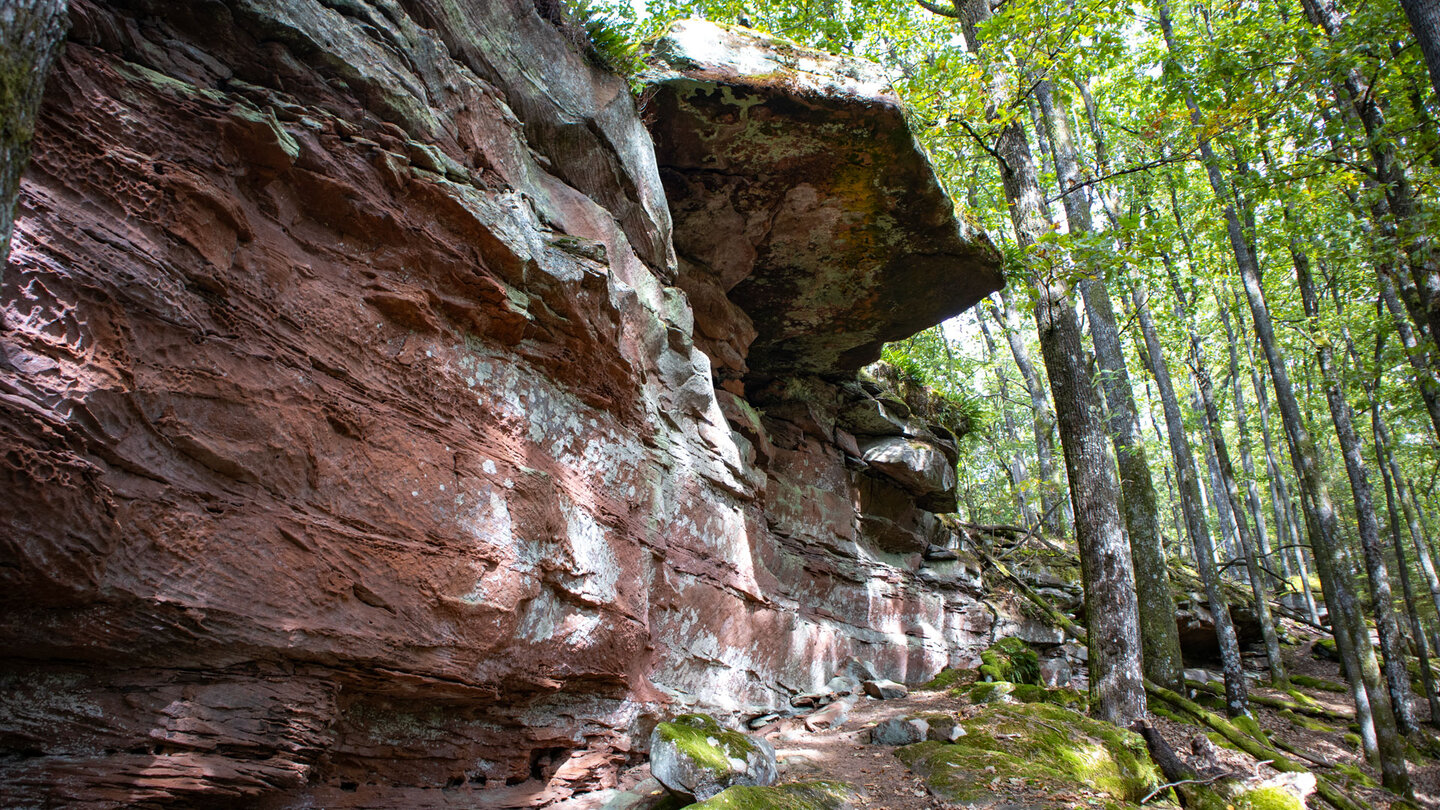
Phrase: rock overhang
pixel 806 215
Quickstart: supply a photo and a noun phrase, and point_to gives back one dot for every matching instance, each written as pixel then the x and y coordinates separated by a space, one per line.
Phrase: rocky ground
pixel 881 779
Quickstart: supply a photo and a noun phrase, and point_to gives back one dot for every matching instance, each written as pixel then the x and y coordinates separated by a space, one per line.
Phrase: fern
pixel 606 41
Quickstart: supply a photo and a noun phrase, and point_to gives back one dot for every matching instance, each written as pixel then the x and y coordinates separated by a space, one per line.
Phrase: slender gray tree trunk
pixel 1286 525
pixel 1228 492
pixel 1417 629
pixel 1242 434
pixel 1416 237
pixel 1017 469
pixel 1415 352
pixel 1340 595
pixel 31 34
pixel 1111 612
pixel 1158 634
pixel 1224 516
pixel 1052 514
pixel 1397 681
pixel 1236 692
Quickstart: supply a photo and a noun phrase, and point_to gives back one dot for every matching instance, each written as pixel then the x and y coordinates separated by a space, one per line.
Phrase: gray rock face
pixel 899 731
pixel 1055 670
pixel 695 757
pixel 792 175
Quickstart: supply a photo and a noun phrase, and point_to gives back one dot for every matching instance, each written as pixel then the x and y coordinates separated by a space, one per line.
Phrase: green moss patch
pixel 1354 775
pixel 945 680
pixel 818 795
pixel 1010 659
pixel 1069 698
pixel 1269 798
pixel 1318 683
pixel 1325 649
pixel 1300 721
pixel 1048 749
pixel 990 692
pixel 706 742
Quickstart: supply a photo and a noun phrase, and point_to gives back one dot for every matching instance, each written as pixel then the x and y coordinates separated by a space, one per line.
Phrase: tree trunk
pixel 1415 352
pixel 1228 494
pixel 1158 634
pixel 1340 596
pixel 1111 611
pixel 1424 16
pixel 1236 697
pixel 1016 467
pixel 1383 601
pixel 31 33
pixel 1417 629
pixel 1242 433
pixel 1052 515
pixel 1286 527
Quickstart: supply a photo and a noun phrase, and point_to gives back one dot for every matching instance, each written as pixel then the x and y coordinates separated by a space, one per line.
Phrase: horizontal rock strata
pixel 359 430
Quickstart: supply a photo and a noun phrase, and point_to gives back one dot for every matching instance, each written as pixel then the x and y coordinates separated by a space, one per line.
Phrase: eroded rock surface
pixel 804 210
pixel 358 446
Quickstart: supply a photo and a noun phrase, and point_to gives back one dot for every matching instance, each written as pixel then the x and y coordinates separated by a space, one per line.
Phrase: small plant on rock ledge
pixel 596 32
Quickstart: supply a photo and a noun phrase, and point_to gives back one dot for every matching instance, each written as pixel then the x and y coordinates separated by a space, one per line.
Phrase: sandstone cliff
pixel 372 438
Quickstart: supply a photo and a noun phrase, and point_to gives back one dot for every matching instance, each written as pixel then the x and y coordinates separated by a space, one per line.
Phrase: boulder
pixel 899 731
pixel 992 692
pixel 857 669
pixel 869 417
pixel 919 467
pixel 885 690
pixel 695 757
pixel 831 716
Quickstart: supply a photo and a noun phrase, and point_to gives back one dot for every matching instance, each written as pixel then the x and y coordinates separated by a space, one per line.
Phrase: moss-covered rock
pixel 1010 659
pixel 819 795
pixel 944 680
pixel 1318 683
pixel 1069 698
pixel 1325 649
pixel 1051 751
pixel 991 692
pixel 694 756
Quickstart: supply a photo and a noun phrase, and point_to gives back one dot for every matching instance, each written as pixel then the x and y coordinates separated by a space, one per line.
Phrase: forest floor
pixel 883 782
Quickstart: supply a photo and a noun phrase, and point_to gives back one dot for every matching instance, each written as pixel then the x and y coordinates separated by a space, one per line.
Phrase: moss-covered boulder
pixel 1010 659
pixel 695 757
pixel 1325 649
pixel 991 692
pixel 1069 698
pixel 818 795
pixel 1038 750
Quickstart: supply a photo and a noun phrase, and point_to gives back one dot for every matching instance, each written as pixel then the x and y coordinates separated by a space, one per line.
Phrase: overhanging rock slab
pixel 806 215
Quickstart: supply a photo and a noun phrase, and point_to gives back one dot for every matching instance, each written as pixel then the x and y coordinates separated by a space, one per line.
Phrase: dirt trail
pixel 883 782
